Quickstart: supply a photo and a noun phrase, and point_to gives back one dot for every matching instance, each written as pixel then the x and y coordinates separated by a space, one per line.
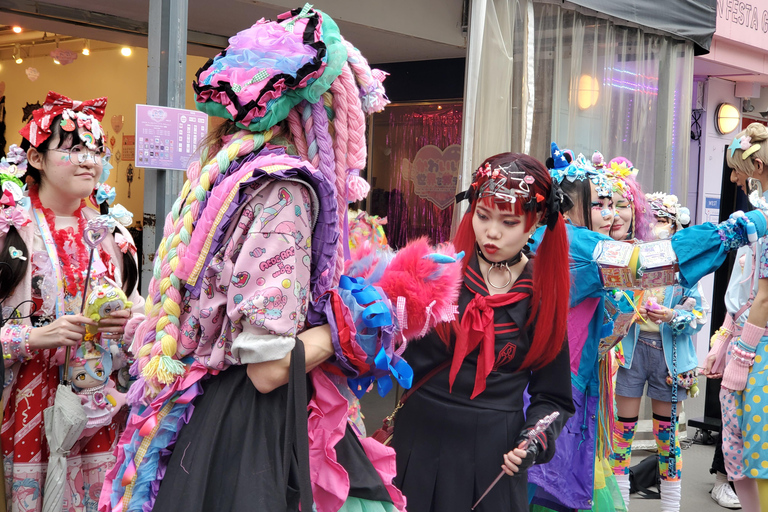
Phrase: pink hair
pixel 641 225
pixel 641 210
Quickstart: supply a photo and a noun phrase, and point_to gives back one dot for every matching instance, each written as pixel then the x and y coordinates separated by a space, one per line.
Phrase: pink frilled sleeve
pixel 269 285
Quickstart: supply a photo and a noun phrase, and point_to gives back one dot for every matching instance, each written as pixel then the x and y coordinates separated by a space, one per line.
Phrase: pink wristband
pixel 728 323
pixel 751 335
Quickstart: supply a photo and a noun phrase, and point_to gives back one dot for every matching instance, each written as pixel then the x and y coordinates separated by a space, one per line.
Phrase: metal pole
pixel 166 86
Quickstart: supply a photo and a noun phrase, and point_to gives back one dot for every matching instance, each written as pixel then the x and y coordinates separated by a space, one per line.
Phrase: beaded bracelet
pixel 748 358
pixel 16 342
pixel 28 353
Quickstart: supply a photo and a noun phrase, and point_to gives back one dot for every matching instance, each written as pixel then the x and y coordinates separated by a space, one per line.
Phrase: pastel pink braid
pixel 357 153
pixel 297 132
pixel 372 92
pixel 341 148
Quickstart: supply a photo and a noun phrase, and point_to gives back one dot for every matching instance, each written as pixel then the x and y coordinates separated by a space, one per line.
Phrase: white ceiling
pixel 388 31
pixel 704 67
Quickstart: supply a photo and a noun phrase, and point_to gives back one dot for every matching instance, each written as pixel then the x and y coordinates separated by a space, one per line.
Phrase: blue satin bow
pixel 375 316
pixel 102 195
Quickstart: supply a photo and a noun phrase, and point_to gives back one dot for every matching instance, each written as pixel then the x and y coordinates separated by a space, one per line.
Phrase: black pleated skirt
pixel 448 454
pixel 230 455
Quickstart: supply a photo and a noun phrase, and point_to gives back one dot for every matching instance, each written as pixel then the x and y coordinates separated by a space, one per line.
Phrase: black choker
pixel 501 265
pixel 514 260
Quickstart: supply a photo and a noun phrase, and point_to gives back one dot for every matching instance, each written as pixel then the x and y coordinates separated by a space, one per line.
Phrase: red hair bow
pixel 38 129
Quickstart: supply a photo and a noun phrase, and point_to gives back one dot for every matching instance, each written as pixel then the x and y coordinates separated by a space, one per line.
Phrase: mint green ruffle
pixel 277 109
pixel 361 505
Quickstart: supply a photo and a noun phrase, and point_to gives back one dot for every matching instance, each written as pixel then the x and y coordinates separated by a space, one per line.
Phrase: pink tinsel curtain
pixel 415 160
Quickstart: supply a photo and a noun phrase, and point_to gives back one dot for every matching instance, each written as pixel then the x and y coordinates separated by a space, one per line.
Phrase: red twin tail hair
pixel 551 273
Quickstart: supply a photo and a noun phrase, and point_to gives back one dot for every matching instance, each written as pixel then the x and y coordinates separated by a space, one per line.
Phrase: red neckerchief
pixel 477 325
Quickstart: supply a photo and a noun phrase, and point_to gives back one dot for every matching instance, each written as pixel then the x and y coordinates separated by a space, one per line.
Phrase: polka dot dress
pixel 753 405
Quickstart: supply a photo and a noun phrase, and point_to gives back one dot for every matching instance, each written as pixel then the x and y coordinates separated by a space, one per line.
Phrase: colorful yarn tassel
pixel 605 420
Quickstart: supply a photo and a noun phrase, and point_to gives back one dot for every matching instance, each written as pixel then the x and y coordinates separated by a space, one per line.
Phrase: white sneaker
pixel 725 497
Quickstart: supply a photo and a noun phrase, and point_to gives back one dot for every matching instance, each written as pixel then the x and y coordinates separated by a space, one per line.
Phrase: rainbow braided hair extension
pixel 337 157
pixel 158 356
pixel 323 101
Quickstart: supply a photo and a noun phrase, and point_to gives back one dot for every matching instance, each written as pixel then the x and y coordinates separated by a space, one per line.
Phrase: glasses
pixel 79 154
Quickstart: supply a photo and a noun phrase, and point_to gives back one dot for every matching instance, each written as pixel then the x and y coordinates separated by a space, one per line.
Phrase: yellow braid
pixel 164 368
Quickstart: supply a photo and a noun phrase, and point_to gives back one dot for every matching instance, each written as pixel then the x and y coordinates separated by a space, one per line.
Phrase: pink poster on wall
pixel 167 138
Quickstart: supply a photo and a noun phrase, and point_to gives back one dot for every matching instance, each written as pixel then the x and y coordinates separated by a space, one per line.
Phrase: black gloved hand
pixel 535 446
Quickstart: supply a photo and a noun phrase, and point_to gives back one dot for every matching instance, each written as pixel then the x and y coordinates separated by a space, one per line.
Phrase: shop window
pixel 414 168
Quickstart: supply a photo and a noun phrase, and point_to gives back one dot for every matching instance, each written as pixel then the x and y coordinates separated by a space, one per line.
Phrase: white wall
pixel 717 91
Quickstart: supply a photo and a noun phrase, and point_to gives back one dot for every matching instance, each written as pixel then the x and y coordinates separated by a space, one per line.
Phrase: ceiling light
pixel 126 51
pixel 56 61
pixel 87 47
pixel 17 29
pixel 17 54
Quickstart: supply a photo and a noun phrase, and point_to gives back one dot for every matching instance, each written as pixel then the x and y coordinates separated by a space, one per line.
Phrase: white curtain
pixel 622 91
pixel 596 86
pixel 495 91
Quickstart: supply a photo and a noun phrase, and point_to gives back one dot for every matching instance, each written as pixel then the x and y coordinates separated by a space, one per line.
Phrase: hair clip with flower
pixel 15 162
pixel 743 143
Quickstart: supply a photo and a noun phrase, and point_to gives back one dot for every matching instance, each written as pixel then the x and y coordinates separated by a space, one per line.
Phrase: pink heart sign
pixel 434 173
pixel 32 73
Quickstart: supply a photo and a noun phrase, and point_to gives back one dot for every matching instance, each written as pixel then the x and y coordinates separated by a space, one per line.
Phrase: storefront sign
pixel 129 147
pixel 744 22
pixel 711 208
pixel 168 137
pixel 434 173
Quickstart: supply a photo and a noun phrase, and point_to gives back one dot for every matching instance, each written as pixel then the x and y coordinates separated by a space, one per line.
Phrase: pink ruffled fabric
pixel 384 461
pixel 327 424
pixel 266 48
pixel 136 422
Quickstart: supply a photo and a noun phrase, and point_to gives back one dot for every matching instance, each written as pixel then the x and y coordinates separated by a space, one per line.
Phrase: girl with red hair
pixel 468 417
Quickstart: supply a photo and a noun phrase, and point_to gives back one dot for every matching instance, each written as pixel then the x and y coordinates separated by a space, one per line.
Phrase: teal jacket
pixel 686 350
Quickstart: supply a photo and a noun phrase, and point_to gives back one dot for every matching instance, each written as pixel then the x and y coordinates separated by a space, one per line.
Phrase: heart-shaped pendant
pixel 95 232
